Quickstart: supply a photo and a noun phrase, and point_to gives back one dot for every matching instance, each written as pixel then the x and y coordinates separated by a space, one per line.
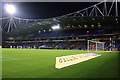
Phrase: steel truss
pixel 12 22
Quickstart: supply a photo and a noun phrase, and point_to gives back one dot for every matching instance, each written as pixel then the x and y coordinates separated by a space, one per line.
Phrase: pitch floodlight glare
pixel 10 8
pixel 55 27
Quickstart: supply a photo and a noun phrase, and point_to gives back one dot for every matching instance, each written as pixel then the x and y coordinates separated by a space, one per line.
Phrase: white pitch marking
pixel 11 59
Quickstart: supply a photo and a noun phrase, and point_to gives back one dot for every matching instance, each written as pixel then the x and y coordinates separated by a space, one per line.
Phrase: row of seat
pixel 71 32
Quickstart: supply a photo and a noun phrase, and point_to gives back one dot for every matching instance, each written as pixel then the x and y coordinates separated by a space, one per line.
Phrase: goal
pixel 93 45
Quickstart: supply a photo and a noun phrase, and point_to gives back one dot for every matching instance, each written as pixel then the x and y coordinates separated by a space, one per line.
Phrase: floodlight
pixel 10 8
pixel 55 27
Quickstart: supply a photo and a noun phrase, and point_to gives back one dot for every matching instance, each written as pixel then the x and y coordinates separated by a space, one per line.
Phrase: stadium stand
pixel 69 36
pixel 71 32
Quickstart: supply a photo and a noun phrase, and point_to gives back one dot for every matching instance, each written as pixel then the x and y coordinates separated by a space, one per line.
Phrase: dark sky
pixel 46 9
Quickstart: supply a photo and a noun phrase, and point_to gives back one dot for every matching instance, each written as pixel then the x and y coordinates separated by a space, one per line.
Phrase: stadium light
pixel 55 27
pixel 10 9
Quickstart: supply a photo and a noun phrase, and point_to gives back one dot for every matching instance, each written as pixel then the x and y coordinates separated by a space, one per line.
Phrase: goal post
pixel 95 45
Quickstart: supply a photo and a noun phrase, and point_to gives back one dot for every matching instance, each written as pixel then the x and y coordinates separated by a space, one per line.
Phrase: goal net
pixel 93 45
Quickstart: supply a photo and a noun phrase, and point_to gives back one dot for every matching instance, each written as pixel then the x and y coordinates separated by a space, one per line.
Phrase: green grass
pixel 41 64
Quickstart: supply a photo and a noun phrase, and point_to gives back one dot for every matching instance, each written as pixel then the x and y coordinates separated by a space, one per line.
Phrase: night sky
pixel 38 10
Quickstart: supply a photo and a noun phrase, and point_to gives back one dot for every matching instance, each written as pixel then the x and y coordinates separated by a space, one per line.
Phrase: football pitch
pixel 40 63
